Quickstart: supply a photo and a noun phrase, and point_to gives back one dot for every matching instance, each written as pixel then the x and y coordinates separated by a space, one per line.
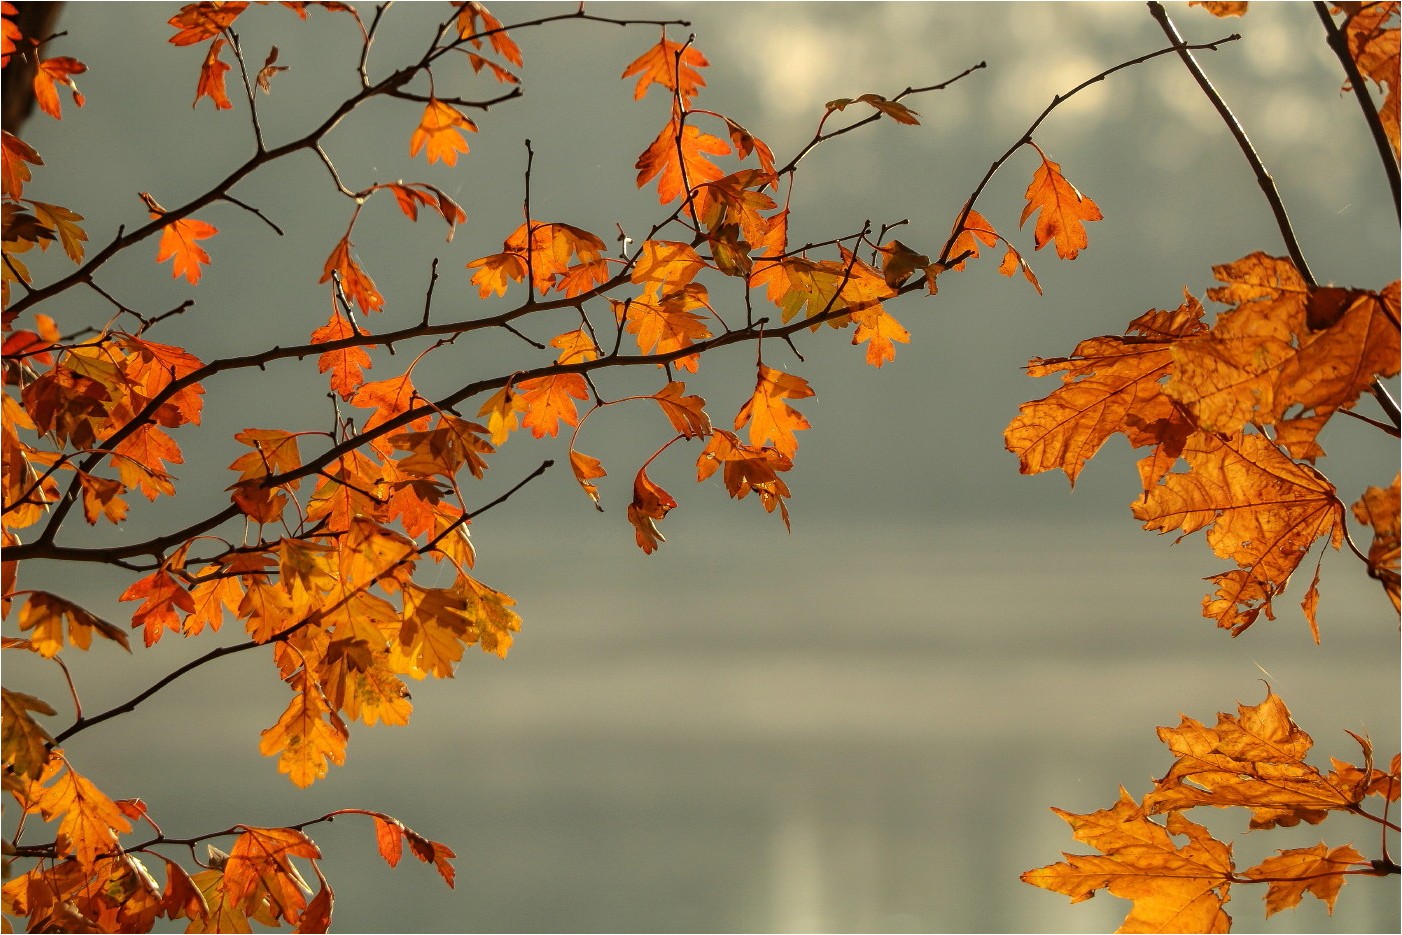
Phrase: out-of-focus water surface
pixel 858 727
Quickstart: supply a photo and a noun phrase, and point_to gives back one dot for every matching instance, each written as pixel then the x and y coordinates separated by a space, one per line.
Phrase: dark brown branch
pixel 1026 137
pixel 1339 43
pixel 1263 178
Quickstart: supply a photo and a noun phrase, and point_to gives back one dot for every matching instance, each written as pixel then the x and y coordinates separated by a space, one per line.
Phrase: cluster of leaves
pixel 315 556
pixel 1230 415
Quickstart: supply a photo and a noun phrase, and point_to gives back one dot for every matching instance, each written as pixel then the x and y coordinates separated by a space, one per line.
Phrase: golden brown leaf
pixel 1317 870
pixel 440 131
pixel 650 504
pixel 1378 507
pixel 1254 759
pixel 25 741
pixel 671 65
pixel 1262 511
pixel 768 416
pixel 1062 210
pixel 1174 888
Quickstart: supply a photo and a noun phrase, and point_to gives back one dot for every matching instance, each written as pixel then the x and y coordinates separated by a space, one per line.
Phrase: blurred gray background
pixel 858 726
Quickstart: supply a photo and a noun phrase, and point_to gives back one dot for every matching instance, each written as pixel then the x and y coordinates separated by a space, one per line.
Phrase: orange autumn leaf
pixel 347 365
pixel 650 504
pixel 1317 870
pixel 677 159
pixel 1378 507
pixel 974 231
pixel 46 615
pixel 17 156
pixel 587 468
pixel 667 323
pixel 747 469
pixel 548 401
pixel 161 595
pixel 768 416
pixel 260 861
pixel 1110 385
pixel 180 243
pixel 390 835
pixel 25 742
pixel 308 736
pixel 1254 759
pixel 1061 209
pixel 1261 510
pixel 197 22
pixel 409 197
pixel 90 820
pixel 51 73
pixel 684 412
pixel 468 15
pixel 1221 8
pixel 211 83
pixel 357 285
pixel 1174 887
pixel 1285 348
pixel 671 65
pixel 439 131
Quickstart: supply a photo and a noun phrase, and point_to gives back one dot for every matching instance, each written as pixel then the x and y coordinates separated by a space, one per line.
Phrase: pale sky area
pixel 858 726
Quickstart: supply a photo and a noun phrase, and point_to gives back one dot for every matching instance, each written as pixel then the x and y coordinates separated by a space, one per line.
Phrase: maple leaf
pixel 1318 870
pixel 1255 760
pixel 51 73
pixel 1378 507
pixel 677 159
pixel 347 365
pixel 410 197
pixel 1061 210
pixel 180 242
pixel 308 736
pixel 197 22
pixel 269 69
pixel 650 504
pixel 211 83
pixel 768 416
pixel 1264 512
pixel 671 65
pixel 1174 888
pixel 358 286
pixel 64 223
pixel 439 130
pixel 1109 385
pixel 1284 345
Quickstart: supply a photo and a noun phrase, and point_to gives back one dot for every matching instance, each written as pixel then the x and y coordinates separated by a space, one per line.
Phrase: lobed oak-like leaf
pixel 650 504
pixel 1317 870
pixel 1062 211
pixel 768 416
pixel 25 742
pixel 678 160
pixel 440 132
pixel 358 286
pixel 46 614
pixel 348 364
pixel 89 821
pixel 180 243
pixel 211 83
pixel 197 22
pixel 671 65
pixel 747 469
pixel 307 738
pixel 51 73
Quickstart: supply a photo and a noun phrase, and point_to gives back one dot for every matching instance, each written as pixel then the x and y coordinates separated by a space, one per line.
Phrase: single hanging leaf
pixel 357 285
pixel 684 412
pixel 1174 888
pixel 51 73
pixel 747 469
pixel 211 83
pixel 1061 210
pixel 45 614
pixel 440 130
pixel 180 242
pixel 768 416
pixel 347 365
pixel 650 504
pixel 25 742
pixel 663 65
pixel 587 468
pixel 90 820
pixel 307 737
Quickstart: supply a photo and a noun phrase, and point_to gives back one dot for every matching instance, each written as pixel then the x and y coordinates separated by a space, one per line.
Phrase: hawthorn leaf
pixel 46 614
pixel 1062 211
pixel 359 287
pixel 197 22
pixel 211 83
pixel 677 159
pixel 548 401
pixel 768 416
pixel 587 468
pixel 51 73
pixel 307 737
pixel 347 365
pixel 440 132
pixel 180 243
pixel 25 741
pixel 90 821
pixel 671 65
pixel 650 504
pixel 684 412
